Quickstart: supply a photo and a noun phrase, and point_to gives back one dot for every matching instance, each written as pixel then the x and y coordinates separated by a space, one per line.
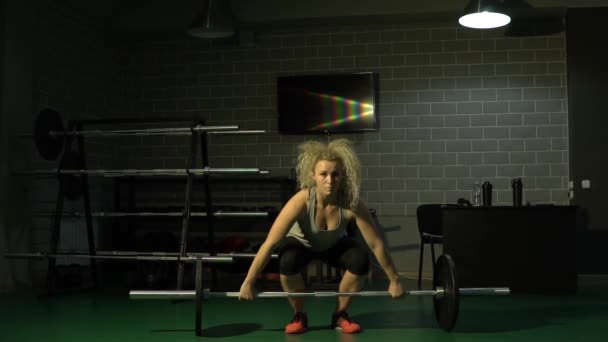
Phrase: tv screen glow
pixel 331 103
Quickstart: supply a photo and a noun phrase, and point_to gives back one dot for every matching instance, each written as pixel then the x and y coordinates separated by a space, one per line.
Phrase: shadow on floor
pixel 478 317
pixel 536 315
pixel 218 331
pixel 231 330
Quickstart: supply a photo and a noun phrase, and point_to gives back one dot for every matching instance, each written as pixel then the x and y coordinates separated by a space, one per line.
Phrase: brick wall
pixel 456 106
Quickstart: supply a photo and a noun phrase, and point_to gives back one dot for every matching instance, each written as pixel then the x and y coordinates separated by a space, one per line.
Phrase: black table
pixel 531 249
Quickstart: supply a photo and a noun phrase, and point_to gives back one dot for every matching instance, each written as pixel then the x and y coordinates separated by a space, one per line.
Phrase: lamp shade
pixel 486 14
pixel 214 21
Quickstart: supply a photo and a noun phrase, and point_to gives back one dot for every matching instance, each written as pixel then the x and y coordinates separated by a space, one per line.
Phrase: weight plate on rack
pixel 49 147
pixel 446 305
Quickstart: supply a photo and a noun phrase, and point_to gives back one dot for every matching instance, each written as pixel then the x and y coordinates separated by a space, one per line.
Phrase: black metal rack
pixel 77 147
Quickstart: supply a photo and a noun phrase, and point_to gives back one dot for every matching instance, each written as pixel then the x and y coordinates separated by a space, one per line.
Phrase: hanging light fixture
pixel 214 21
pixel 484 14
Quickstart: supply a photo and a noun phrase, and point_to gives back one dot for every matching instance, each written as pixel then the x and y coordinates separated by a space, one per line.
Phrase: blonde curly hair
pixel 340 150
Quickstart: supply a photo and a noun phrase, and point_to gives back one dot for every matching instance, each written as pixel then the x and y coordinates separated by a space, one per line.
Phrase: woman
pixel 312 225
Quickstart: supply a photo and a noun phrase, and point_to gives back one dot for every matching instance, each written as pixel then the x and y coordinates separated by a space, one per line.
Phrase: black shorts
pixel 346 254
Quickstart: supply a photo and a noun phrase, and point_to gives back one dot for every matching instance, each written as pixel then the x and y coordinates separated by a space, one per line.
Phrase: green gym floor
pixel 102 317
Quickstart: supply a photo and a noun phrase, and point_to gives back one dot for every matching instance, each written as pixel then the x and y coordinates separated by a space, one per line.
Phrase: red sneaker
pixel 341 321
pixel 298 325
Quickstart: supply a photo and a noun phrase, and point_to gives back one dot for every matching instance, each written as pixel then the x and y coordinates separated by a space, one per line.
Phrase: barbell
pixel 216 259
pixel 142 172
pixel 49 133
pixel 439 292
pixel 72 184
pixel 219 213
pixel 446 294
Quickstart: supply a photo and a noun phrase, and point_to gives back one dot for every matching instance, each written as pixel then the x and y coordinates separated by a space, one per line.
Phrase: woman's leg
pixel 350 283
pixel 349 255
pixel 294 283
pixel 293 257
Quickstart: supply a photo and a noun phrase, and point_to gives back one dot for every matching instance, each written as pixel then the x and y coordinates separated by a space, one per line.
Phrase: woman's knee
pixel 290 262
pixel 356 261
pixel 287 264
pixel 293 256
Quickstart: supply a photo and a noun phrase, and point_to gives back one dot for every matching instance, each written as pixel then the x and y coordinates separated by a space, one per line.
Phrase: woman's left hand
pixel 395 289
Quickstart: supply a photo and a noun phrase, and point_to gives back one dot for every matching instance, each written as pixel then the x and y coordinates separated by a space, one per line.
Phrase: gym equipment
pixel 50 134
pixel 445 293
pixel 218 213
pixel 139 256
pixel 144 172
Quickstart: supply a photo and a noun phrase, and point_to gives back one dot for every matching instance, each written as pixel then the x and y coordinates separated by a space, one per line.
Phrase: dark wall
pixel 457 106
pixel 587 89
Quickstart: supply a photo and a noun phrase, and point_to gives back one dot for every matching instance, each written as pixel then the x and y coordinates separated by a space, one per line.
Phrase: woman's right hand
pixel 247 292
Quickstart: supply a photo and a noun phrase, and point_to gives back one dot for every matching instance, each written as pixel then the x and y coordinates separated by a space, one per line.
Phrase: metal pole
pixel 209 207
pixel 129 254
pixel 152 257
pixel 145 131
pixel 55 233
pixel 192 294
pixel 244 132
pixel 186 212
pixel 86 198
pixel 484 291
pixel 102 214
pixel 144 172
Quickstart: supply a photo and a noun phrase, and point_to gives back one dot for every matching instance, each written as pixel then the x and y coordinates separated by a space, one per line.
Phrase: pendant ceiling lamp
pixel 486 14
pixel 214 21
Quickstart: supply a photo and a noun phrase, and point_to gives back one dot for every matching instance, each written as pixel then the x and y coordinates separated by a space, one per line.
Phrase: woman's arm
pixel 376 244
pixel 286 218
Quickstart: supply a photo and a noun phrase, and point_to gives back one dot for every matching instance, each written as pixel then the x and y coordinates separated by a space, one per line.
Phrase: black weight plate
pixel 49 147
pixel 198 280
pixel 446 306
pixel 72 184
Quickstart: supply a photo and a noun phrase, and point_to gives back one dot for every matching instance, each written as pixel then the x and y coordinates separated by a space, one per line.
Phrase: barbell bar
pixel 445 293
pixel 215 130
pixel 49 133
pixel 150 257
pixel 144 172
pixel 185 294
pixel 240 132
pixel 219 258
pixel 100 254
pixel 102 214
pixel 144 131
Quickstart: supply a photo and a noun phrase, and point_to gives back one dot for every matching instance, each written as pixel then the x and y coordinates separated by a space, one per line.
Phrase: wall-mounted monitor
pixel 329 103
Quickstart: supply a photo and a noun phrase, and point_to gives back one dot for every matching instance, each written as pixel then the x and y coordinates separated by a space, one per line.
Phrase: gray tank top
pixel 306 231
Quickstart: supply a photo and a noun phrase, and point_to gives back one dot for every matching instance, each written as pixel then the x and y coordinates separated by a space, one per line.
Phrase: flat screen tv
pixel 330 103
